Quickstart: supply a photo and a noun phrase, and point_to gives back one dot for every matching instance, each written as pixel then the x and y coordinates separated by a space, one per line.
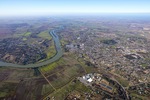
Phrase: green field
pixel 45 35
pixel 63 92
pixel 61 75
pixel 51 51
pixel 50 67
pixel 27 34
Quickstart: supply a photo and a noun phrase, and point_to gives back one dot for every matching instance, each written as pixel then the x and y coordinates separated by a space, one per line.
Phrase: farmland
pixel 102 58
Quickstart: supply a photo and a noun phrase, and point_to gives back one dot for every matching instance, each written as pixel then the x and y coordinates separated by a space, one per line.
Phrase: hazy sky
pixel 34 7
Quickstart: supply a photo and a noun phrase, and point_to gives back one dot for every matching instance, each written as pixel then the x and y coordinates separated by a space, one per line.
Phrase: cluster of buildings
pixel 129 55
pixel 124 53
pixel 141 89
pixel 105 85
pixel 21 52
pixel 96 82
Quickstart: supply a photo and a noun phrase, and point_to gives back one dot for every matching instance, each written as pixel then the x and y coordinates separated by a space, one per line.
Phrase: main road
pixel 46 62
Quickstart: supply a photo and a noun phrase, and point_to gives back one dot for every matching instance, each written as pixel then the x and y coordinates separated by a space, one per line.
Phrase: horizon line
pixel 74 14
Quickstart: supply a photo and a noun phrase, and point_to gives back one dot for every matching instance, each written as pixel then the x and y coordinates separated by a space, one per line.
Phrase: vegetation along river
pixel 46 62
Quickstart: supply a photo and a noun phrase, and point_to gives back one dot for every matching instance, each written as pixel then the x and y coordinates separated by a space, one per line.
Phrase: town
pixel 104 58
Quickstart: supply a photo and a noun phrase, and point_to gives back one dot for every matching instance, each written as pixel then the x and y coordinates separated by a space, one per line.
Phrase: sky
pixel 41 7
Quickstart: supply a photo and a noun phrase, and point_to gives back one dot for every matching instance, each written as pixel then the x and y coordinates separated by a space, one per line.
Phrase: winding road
pixel 46 62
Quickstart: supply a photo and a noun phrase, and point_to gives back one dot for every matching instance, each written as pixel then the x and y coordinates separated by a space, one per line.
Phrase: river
pixel 57 56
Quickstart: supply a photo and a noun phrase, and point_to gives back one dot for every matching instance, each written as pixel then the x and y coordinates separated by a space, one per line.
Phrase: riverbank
pixel 46 62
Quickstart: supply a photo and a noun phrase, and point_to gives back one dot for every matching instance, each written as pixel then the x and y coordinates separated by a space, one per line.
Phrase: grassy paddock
pixel 64 91
pixel 51 50
pixel 46 89
pixel 65 76
pixel 45 35
pixel 50 67
pixel 7 89
pixel 27 34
